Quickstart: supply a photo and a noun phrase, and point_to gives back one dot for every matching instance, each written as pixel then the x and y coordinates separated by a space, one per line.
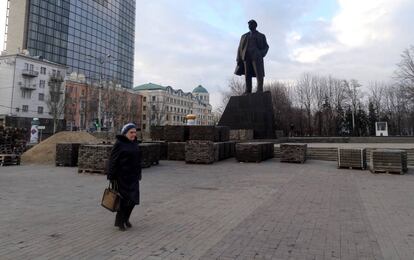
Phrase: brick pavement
pixel 227 210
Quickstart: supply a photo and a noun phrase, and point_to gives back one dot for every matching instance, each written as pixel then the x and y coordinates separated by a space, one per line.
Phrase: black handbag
pixel 111 198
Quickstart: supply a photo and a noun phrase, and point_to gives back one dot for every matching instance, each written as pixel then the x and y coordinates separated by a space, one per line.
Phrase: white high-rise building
pixel 25 88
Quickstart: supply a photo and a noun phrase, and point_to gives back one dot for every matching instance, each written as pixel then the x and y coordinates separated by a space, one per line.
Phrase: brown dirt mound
pixel 45 152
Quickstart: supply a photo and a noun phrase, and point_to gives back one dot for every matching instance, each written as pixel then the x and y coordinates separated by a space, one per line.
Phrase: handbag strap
pixel 114 185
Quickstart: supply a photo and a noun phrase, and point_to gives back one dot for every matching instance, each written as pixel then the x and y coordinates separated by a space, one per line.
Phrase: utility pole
pixel 102 60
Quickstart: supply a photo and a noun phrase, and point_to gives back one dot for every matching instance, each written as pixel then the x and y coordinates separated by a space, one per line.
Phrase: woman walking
pixel 125 171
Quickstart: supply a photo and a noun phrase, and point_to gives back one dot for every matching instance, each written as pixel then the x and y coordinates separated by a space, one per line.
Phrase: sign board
pixel 41 127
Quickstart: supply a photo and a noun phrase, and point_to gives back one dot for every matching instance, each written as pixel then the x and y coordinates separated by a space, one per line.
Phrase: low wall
pixel 369 139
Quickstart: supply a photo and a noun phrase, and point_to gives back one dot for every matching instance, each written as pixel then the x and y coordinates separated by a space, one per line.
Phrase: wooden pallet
pixel 351 167
pixel 9 159
pixel 387 172
pixel 64 165
pixel 93 171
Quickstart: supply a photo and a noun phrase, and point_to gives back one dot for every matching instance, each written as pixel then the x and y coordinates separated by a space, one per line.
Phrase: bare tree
pixel 282 105
pixel 354 97
pixel 376 92
pixel 304 96
pixel 56 99
pixel 235 87
pixel 115 107
pixel 70 108
pixel 405 71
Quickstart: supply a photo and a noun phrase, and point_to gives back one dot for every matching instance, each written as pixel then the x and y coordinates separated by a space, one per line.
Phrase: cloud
pixel 187 43
pixel 362 41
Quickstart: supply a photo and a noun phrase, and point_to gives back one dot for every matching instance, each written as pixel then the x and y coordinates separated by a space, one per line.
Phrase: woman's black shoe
pixel 128 224
pixel 122 227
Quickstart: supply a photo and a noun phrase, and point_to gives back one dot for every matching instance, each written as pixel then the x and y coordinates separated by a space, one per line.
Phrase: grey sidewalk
pixel 227 210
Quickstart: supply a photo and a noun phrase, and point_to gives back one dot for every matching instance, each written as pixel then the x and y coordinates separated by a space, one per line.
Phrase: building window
pixel 43 70
pixel 168 118
pixel 42 84
pixel 153 107
pixel 145 99
pixel 40 110
pixel 144 117
pixel 25 108
pixel 26 94
pixel 144 126
pixel 144 108
pixel 153 98
pixel 41 96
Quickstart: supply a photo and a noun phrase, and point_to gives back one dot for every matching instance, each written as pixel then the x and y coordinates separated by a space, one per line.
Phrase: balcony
pixel 56 78
pixel 30 73
pixel 27 86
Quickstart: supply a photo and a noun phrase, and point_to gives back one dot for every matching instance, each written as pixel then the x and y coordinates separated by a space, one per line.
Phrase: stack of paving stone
pixel 254 151
pixel 352 158
pixel 176 133
pixel 224 133
pixel 67 154
pixel 295 153
pixel 388 161
pixel 9 159
pixel 199 151
pixel 163 149
pixel 217 147
pixel 229 149
pixel 93 158
pixel 241 134
pixel 176 151
pixel 157 133
pixel 206 133
pixel 13 140
pixel 150 154
pixel 224 150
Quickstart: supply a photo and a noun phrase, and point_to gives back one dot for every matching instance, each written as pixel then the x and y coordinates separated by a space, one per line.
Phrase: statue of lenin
pixel 252 49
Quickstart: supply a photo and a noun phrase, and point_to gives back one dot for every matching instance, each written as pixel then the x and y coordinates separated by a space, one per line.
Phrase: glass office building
pixel 92 37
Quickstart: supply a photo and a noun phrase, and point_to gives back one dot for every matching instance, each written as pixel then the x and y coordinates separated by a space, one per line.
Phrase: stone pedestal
pixel 252 111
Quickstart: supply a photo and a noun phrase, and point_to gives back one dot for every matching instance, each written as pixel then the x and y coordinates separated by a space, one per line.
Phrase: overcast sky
pixel 184 43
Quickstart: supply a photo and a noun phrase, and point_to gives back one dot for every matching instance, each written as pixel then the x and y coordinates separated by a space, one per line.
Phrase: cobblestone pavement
pixel 227 210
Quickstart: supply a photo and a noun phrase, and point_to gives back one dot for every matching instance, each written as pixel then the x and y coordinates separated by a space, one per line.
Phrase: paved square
pixel 227 210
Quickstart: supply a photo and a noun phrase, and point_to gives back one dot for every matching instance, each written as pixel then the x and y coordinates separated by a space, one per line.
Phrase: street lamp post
pixel 102 60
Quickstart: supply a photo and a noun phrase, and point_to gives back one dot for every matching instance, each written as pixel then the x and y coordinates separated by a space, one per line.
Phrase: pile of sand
pixel 45 152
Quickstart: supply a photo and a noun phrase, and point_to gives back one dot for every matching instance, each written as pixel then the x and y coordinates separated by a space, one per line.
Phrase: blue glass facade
pixel 72 32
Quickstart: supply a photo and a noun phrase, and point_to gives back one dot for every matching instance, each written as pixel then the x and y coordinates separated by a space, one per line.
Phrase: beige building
pixel 167 106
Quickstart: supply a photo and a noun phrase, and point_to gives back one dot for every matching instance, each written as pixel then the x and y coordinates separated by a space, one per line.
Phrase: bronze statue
pixel 252 49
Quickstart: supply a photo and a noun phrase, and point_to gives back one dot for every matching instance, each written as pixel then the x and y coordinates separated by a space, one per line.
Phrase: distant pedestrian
pixel 125 171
